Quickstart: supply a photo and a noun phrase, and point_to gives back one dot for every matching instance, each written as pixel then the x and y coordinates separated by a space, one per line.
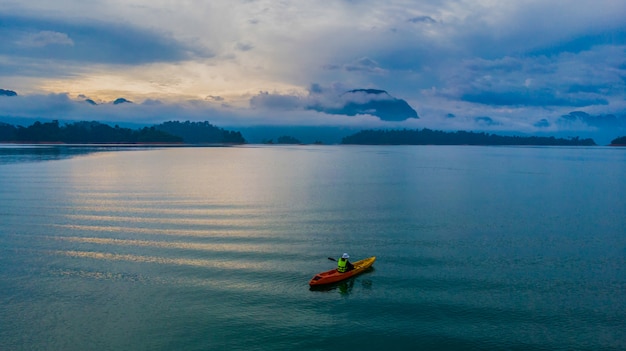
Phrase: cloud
pixel 523 64
pixel 486 121
pixel 276 101
pixel 37 106
pixel 152 102
pixel 545 97
pixel 63 107
pixel 598 121
pixel 44 38
pixel 584 42
pixel 30 108
pixel 244 46
pixel 568 80
pixel 422 19
pixel 92 41
pixel 292 111
pixel 348 103
pixel 543 123
pixel 362 65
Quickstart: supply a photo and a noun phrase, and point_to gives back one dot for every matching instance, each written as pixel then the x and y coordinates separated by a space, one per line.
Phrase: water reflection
pixel 346 287
pixel 205 247
pixel 195 262
pixel 17 153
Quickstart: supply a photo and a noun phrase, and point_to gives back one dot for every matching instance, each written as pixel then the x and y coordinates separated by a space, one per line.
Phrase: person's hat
pixel 345 255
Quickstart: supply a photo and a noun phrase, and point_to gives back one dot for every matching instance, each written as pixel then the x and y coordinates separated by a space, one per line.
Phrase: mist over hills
pixel 608 121
pixel 372 102
pixel 4 92
pixel 328 116
pixel 92 132
pixel 121 101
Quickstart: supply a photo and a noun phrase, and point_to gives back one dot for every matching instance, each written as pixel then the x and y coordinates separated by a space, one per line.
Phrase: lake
pixel 478 248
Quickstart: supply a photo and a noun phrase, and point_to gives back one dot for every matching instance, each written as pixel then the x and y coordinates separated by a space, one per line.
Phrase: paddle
pixel 332 259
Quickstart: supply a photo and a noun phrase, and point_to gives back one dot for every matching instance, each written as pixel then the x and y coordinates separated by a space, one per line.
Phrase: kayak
pixel 334 276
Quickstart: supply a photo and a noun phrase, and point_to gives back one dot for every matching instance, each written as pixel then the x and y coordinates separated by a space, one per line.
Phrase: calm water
pixel 485 248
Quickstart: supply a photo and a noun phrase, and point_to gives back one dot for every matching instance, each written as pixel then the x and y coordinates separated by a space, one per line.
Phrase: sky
pixel 490 65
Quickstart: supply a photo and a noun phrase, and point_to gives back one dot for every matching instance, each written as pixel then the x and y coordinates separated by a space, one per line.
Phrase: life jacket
pixel 342 265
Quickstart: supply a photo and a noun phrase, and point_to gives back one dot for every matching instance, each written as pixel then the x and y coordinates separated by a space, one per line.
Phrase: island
pixel 434 137
pixel 621 141
pixel 204 133
pixel 92 132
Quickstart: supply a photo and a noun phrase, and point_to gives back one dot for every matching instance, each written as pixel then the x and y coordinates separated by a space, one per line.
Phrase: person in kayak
pixel 343 265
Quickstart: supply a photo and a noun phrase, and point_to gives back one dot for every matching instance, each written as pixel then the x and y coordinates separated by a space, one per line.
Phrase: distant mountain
pixel 121 101
pixel 599 121
pixel 372 102
pixel 602 127
pixel 4 92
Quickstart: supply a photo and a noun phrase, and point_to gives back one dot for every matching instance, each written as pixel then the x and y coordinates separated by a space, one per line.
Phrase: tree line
pixel 201 132
pixel 619 141
pixel 84 132
pixel 434 137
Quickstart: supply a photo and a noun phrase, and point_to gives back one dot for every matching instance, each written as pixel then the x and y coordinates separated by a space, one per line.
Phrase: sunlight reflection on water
pixel 192 249
pixel 217 247
pixel 216 263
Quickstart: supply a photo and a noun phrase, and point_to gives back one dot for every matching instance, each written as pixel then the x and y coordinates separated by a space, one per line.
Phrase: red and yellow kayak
pixel 333 276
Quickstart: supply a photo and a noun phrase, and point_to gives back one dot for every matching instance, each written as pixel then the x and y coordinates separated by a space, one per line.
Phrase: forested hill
pixel 201 132
pixel 621 141
pixel 434 137
pixel 96 132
